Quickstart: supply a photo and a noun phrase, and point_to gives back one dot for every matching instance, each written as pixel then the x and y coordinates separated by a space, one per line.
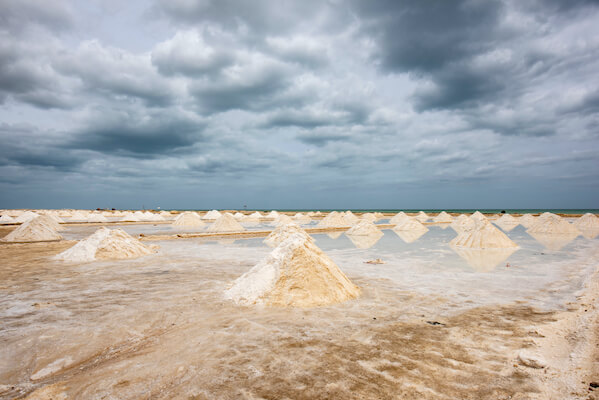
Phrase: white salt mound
pixel 483 236
pixel 273 214
pixel 369 217
pixel 283 219
pixel 50 222
pixel 256 215
pixel 26 216
pixel 587 221
pixel 78 216
pixel 225 223
pixel 461 223
pixel 188 219
pixel 443 217
pixel 130 217
pixel 422 216
pixel 332 220
pixel 5 219
pixel 551 223
pixel 295 274
pixel 238 216
pixel 350 218
pixel 527 220
pixel 214 214
pixel 282 232
pixel 507 222
pixel 411 224
pixel 363 228
pixel 96 218
pixel 398 218
pixel 478 216
pixel 36 230
pixel 105 244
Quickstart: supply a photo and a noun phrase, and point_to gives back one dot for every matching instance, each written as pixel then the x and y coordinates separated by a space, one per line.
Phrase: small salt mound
pixel 273 214
pixel 369 217
pixel 282 232
pixel 5 219
pixel 398 218
pixel 283 220
pixel 214 214
pixel 379 215
pixel 96 218
pixel 78 216
pixel 363 228
pixel 26 216
pixel 105 244
pixel 238 216
pixel 587 221
pixel 188 219
pixel 256 215
pixel 165 214
pixel 443 217
pixel 527 220
pixel 411 224
pixel 461 223
pixel 478 216
pixel 350 218
pixel 507 222
pixel 301 217
pixel 332 220
pixel 140 216
pixel 130 217
pixel 225 223
pixel 35 230
pixel 483 236
pixel 551 223
pixel 422 216
pixel 295 274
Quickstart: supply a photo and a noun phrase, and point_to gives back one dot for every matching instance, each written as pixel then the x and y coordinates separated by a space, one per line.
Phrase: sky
pixel 299 104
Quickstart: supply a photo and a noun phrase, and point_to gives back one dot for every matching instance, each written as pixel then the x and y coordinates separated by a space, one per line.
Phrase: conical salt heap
pixel 462 223
pixel 412 225
pixel 282 232
pixel 273 214
pixel 507 222
pixel 5 219
pixel 587 221
pixel 483 236
pixel 334 219
pixel 350 218
pixel 256 215
pixel 105 244
pixel 26 217
pixel 50 222
pixel 283 219
pixel 363 228
pixel 165 215
pixel 379 215
pixel 295 274
pixel 78 216
pixel 188 219
pixel 398 218
pixel 238 216
pixel 443 218
pixel 369 217
pixel 478 216
pixel 303 218
pixel 35 230
pixel 96 217
pixel 225 223
pixel 554 224
pixel 214 214
pixel 527 220
pixel 422 216
pixel 130 217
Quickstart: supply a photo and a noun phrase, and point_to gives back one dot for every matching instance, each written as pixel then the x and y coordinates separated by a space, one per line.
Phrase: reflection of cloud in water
pixel 365 242
pixel 589 233
pixel 553 241
pixel 409 236
pixel 483 260
pixel 506 226
pixel 335 235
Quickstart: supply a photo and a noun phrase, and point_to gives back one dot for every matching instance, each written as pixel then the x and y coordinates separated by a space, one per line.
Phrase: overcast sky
pixel 299 104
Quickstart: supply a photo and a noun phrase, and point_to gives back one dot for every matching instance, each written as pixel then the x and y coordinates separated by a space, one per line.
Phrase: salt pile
pixel 412 225
pixel 26 216
pixel 273 214
pixel 422 216
pixel 507 222
pixel 35 230
pixel 551 223
pixel 256 215
pixel 443 217
pixel 527 220
pixel 369 217
pixel 350 218
pixel 483 236
pixel 96 217
pixel 283 220
pixel 225 223
pixel 363 228
pixel 282 232
pixel 50 222
pixel 130 217
pixel 398 218
pixel 379 215
pixel 78 216
pixel 478 216
pixel 140 216
pixel 332 220
pixel 214 214
pixel 188 219
pixel 462 223
pixel 587 221
pixel 295 274
pixel 105 244
pixel 238 216
pixel 5 219
pixel 302 217
pixel 150 216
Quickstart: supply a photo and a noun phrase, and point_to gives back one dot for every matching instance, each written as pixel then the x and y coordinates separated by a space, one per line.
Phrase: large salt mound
pixel 483 236
pixel 363 228
pixel 507 222
pixel 283 220
pixel 295 274
pixel 5 219
pixel 398 218
pixel 130 217
pixel 333 220
pixel 96 217
pixel 551 223
pixel 527 220
pixel 411 224
pixel 214 214
pixel 105 244
pixel 587 221
pixel 282 232
pixel 350 218
pixel 26 216
pixel 188 219
pixel 422 216
pixel 478 216
pixel 225 223
pixel 36 230
pixel 443 217
pixel 369 217
pixel 462 223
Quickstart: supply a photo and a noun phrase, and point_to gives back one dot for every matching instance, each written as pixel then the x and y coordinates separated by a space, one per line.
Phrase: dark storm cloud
pixel 17 16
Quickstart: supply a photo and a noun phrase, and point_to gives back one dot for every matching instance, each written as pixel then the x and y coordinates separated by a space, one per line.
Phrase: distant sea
pixel 434 211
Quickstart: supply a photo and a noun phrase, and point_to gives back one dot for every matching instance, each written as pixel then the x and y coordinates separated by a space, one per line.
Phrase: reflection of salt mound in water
pixel 282 232
pixel 551 223
pixel 462 223
pixel 507 222
pixel 588 222
pixel 484 260
pixel 589 233
pixel 443 217
pixel 483 236
pixel 105 244
pixel 213 214
pixel 478 216
pixel 409 236
pixel 35 230
pixel 553 241
pixel 422 216
pixel 26 217
pixel 96 217
pixel 365 242
pixel 188 219
pixel 350 218
pixel 527 220
pixel 363 228
pixel 334 219
pixel 283 220
pixel 296 273
pixel 335 235
pixel 398 218
pixel 6 219
pixel 225 223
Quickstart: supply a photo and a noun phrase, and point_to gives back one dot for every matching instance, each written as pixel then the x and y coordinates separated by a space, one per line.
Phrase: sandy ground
pixel 159 330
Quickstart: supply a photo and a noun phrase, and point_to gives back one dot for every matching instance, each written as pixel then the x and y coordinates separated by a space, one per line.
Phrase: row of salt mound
pixel 188 219
pixel 483 235
pixel 296 273
pixel 213 214
pixel 282 232
pixel 443 217
pixel 398 218
pixel 333 220
pixel 588 221
pixel 507 222
pixel 553 224
pixel 40 229
pixel 225 223
pixel 105 244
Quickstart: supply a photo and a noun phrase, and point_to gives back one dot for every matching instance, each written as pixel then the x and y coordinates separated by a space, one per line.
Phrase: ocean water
pixel 573 211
